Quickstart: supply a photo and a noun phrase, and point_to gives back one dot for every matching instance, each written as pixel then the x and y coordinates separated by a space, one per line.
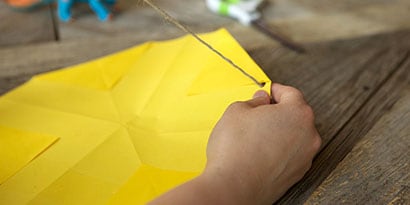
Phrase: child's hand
pixel 259 150
pixel 255 153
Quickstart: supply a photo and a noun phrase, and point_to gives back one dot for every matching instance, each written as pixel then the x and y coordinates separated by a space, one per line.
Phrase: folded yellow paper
pixel 17 148
pixel 131 125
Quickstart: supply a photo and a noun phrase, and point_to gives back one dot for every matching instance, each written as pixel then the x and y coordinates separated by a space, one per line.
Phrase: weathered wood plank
pixel 322 20
pixel 361 121
pixel 337 77
pixel 49 56
pixel 26 27
pixel 304 21
pixel 377 171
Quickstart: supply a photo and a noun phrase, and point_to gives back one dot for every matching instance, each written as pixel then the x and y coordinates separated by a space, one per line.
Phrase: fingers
pixel 261 97
pixel 286 94
pixel 280 94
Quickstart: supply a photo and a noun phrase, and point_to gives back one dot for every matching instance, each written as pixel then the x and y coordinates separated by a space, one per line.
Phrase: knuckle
pixel 316 144
pixel 294 91
pixel 308 112
pixel 235 106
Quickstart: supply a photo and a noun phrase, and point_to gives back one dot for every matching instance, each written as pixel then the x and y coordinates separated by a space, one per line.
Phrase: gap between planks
pixel 55 23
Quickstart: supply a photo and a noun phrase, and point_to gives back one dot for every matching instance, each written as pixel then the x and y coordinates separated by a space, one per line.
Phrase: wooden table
pixel 359 88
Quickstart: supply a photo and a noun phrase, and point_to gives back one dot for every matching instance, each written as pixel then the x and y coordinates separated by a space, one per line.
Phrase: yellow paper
pixel 17 148
pixel 132 125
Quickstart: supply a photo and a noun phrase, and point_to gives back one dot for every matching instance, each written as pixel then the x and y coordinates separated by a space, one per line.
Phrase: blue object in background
pixel 100 8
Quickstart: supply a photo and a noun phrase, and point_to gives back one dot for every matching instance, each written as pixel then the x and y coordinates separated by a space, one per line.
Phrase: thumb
pixel 261 97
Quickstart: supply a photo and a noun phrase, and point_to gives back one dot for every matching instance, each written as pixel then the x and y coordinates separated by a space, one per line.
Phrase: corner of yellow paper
pixel 219 74
pixel 17 148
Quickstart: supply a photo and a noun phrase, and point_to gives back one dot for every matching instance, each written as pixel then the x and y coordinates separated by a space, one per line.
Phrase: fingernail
pixel 260 93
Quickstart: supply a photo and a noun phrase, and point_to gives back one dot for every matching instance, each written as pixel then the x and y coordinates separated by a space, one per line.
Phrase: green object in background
pixel 224 7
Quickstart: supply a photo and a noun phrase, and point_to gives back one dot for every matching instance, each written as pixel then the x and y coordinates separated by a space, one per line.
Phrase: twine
pixel 172 20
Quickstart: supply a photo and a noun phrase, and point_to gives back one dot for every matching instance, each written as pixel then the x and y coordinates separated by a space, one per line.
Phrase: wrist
pixel 229 187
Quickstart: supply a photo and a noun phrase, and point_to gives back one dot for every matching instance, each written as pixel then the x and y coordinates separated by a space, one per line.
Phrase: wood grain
pixel 347 102
pixel 347 137
pixel 336 77
pixel 377 171
pixel 303 21
pixel 19 28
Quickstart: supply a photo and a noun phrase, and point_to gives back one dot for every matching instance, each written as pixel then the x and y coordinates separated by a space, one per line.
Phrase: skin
pixel 255 153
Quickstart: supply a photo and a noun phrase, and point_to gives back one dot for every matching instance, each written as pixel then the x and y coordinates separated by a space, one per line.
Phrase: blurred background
pixel 300 20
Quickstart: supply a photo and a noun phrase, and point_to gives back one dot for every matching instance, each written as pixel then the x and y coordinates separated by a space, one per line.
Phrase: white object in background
pixel 245 11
